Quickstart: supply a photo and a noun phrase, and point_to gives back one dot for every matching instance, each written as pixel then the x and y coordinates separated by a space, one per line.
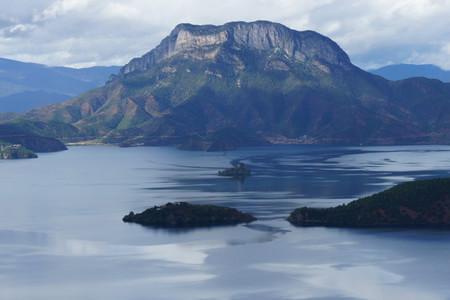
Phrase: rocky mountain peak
pixel 205 41
pixel 246 84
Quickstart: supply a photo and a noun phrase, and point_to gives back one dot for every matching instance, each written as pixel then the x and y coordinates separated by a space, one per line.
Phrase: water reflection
pixel 62 237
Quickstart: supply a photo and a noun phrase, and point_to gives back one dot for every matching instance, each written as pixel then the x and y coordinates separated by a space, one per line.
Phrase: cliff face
pixel 207 42
pixel 260 78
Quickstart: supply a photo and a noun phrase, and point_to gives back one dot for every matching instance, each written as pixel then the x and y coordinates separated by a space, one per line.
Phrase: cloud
pixel 103 32
pixel 17 30
pixel 60 8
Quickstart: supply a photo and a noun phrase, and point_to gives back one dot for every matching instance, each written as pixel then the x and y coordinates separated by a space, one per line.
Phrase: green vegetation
pixel 20 142
pixel 53 129
pixel 9 151
pixel 182 215
pixel 421 203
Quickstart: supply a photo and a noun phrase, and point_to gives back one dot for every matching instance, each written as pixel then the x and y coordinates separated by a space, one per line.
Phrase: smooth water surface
pixel 61 234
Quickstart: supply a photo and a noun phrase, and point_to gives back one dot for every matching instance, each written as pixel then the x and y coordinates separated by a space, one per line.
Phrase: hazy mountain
pixel 262 79
pixel 404 71
pixel 26 85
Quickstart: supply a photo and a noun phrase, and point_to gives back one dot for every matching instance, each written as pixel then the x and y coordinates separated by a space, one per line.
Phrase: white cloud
pixel 87 32
pixel 18 29
pixel 120 11
pixel 60 7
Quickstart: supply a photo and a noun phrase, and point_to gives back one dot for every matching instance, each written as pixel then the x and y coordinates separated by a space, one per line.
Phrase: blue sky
pixel 106 32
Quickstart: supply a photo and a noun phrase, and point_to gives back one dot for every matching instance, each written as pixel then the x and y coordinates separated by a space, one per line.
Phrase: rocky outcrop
pixel 421 203
pixel 205 42
pixel 185 215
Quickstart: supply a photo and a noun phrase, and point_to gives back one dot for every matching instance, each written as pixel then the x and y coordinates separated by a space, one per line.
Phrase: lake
pixel 62 237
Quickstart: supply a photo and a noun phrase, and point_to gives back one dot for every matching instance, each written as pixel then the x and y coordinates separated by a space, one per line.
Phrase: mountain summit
pixel 223 43
pixel 220 87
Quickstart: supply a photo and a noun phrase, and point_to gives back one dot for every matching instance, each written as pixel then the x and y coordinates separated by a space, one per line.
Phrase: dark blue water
pixel 61 235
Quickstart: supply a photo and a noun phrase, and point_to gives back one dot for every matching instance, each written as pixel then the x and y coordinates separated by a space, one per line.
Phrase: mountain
pixel 27 100
pixel 421 203
pixel 8 116
pixel 404 71
pixel 261 79
pixel 24 86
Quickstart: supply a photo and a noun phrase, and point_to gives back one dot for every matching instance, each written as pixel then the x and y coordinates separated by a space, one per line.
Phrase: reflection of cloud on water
pixel 185 253
pixel 358 281
pixel 326 247
pixel 269 234
pixel 179 278
pixel 18 237
pixel 396 179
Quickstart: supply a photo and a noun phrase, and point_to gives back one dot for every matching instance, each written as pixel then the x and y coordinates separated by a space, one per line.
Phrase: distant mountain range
pixel 404 71
pixel 24 86
pixel 243 84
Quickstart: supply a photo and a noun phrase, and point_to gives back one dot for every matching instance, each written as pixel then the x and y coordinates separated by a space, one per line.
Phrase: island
pixel 15 151
pixel 421 203
pixel 238 171
pixel 186 215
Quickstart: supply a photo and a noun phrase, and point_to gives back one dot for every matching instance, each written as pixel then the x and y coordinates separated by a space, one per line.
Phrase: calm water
pixel 61 235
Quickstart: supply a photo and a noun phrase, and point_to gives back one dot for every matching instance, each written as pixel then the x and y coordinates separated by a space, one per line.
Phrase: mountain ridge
pixel 185 37
pixel 24 85
pixel 278 84
pixel 405 71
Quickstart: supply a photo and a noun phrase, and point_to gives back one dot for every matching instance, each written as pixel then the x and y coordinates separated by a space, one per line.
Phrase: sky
pixel 81 33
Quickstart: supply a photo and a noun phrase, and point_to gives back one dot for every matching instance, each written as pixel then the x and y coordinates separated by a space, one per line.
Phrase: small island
pixel 421 203
pixel 239 171
pixel 186 215
pixel 15 151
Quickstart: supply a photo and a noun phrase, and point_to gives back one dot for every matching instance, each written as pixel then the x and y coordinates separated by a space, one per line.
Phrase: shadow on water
pixel 295 176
